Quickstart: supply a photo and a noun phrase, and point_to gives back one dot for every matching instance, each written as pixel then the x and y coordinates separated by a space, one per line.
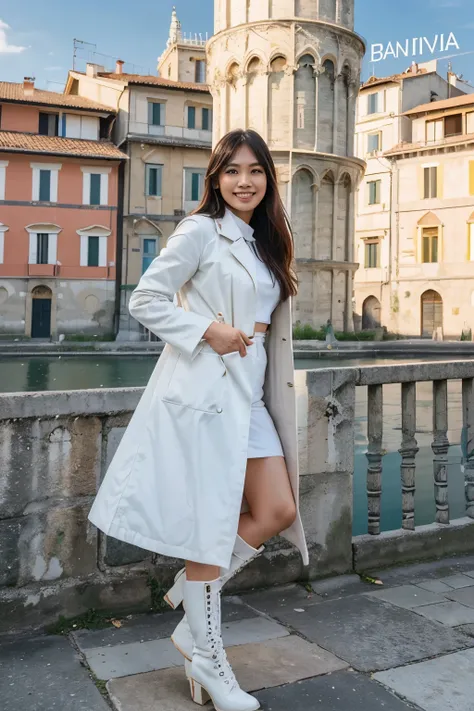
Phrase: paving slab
pixel 340 586
pixel 467 629
pixel 435 586
pixel 343 691
pixel 371 634
pixel 407 596
pixel 113 661
pixel 458 581
pixel 452 614
pixel 443 684
pixel 146 628
pixel 257 666
pixel 464 596
pixel 45 673
pixel 412 574
pixel 274 600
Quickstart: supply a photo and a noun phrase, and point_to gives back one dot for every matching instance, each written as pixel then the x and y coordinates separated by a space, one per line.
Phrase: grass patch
pixel 101 684
pixel 90 620
pixel 157 592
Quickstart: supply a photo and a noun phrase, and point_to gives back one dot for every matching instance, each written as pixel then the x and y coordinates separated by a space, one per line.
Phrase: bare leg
pixel 270 499
pixel 200 572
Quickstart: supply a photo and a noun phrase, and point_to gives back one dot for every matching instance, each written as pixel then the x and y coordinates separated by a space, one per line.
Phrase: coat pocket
pixel 198 383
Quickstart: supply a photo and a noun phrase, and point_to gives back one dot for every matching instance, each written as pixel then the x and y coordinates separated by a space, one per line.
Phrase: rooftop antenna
pixel 79 44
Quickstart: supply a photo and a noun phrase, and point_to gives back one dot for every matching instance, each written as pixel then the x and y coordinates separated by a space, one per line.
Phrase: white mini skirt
pixel 263 437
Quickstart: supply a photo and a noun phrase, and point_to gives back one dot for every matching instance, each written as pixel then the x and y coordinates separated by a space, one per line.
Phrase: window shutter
pixel 52 248
pixel 95 189
pixel 102 251
pixel 195 187
pixel 205 119
pixel 84 250
pixel 45 185
pixel 471 177
pixel 421 182
pixel 33 252
pixel 191 117
pixel 439 181
pixel 93 252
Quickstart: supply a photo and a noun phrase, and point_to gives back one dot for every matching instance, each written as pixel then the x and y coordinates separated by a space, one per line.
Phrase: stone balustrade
pixel 55 447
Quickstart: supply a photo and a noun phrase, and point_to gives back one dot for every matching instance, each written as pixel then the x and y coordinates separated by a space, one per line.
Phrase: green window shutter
pixel 45 185
pixel 95 189
pixel 195 187
pixel 154 113
pixel 154 180
pixel 191 117
pixel 205 120
pixel 93 252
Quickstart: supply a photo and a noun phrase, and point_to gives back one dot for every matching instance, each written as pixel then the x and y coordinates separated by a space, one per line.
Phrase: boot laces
pixel 219 656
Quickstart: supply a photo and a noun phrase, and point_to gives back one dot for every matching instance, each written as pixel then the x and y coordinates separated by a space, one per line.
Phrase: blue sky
pixel 36 39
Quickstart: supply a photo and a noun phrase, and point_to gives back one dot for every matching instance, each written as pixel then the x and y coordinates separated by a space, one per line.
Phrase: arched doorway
pixel 431 313
pixel 371 314
pixel 41 312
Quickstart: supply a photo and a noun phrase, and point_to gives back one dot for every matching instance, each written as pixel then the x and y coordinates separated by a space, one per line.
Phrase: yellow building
pixel 164 125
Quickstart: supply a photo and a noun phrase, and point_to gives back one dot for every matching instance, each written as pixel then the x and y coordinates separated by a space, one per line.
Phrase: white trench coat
pixel 175 484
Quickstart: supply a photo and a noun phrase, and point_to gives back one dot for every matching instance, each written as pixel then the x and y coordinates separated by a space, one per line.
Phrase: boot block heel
pixel 174 596
pixel 198 693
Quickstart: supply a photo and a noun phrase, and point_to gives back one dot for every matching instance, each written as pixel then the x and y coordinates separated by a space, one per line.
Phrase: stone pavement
pixel 347 645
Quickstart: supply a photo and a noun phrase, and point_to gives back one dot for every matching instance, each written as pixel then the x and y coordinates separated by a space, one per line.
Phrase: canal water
pixel 84 371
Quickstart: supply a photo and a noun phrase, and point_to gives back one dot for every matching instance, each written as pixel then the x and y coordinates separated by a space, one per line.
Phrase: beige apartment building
pixel 384 121
pixel 433 272
pixel 164 125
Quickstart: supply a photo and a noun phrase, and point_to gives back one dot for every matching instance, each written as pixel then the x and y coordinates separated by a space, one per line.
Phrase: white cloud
pixel 5 47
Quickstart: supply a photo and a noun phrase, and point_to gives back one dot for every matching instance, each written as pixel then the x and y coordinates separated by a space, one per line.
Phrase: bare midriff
pixel 261 327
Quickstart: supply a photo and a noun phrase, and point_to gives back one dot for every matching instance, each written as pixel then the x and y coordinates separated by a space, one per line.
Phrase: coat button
pixel 290 385
pixel 219 410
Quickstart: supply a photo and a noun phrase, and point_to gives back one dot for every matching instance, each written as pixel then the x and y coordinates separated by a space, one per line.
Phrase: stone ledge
pixel 432 541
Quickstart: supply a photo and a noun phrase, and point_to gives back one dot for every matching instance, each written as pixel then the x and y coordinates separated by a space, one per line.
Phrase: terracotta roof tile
pixel 10 91
pixel 16 142
pixel 393 78
pixel 150 80
pixel 456 101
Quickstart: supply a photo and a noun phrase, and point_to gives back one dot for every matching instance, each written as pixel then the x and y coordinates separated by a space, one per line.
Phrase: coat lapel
pixel 229 228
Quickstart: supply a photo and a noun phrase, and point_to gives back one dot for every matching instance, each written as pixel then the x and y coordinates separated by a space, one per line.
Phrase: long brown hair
pixel 269 220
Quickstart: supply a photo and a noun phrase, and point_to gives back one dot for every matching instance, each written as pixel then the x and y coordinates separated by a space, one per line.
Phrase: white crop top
pixel 268 288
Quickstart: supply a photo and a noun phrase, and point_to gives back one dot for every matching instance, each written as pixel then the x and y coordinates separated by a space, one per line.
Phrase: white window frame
pixel 93 231
pixel 104 184
pixel 3 171
pixel 148 166
pixel 3 229
pixel 54 168
pixel 43 228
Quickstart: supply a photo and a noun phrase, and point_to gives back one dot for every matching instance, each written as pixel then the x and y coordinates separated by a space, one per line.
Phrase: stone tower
pixel 290 69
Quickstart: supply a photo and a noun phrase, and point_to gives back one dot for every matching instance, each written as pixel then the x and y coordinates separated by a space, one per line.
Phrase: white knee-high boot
pixel 242 555
pixel 210 674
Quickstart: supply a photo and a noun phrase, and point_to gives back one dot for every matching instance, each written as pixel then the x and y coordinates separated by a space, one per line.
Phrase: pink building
pixel 60 181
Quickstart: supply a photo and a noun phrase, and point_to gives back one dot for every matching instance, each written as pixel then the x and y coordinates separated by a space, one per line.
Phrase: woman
pixel 215 426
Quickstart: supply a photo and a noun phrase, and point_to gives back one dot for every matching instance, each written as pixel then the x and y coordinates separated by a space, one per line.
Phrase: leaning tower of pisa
pixel 290 69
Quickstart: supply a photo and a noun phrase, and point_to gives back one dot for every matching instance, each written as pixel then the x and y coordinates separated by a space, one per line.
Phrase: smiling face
pixel 243 183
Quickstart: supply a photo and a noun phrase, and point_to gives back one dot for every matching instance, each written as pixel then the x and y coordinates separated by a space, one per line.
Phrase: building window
pixel 149 253
pixel 191 117
pixel 430 182
pixel 48 124
pixel 95 187
pixel 470 122
pixel 45 185
pixel 434 130
pixel 93 251
pixel 430 244
pixel 77 126
pixel 206 119
pixel 154 175
pixel 372 253
pixel 471 241
pixel 193 184
pixel 374 192
pixel 45 182
pixel 374 142
pixel 373 103
pixel 453 125
pixel 42 245
pixel 156 113
pixel 200 75
pixel 3 173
